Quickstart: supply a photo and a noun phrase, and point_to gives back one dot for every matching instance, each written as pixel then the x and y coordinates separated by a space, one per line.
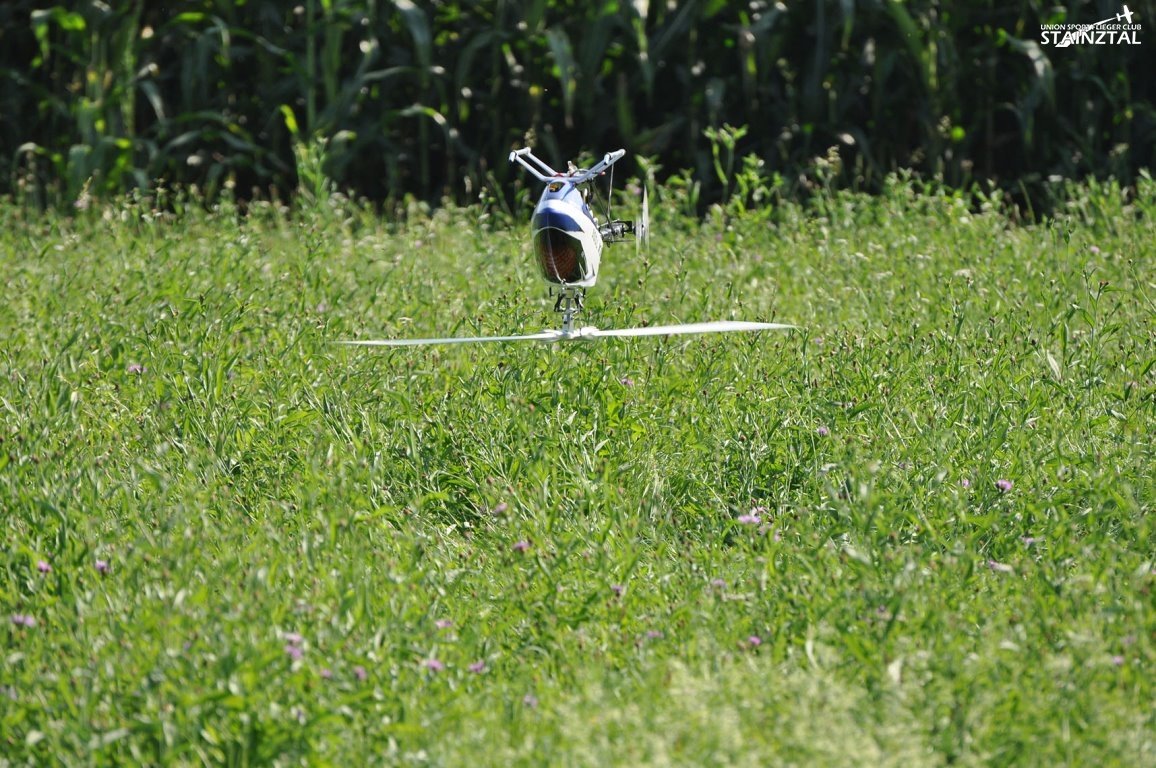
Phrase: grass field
pixel 917 531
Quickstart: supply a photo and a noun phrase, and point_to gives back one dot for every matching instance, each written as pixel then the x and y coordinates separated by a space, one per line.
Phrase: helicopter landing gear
pixel 569 303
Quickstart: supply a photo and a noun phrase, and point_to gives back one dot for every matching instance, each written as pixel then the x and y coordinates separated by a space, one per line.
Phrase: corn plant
pixel 423 98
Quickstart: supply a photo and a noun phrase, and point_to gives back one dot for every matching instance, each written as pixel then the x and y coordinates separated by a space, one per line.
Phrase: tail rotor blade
pixel 644 230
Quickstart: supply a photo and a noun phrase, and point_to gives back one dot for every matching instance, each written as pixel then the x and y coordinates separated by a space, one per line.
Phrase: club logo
pixel 1121 29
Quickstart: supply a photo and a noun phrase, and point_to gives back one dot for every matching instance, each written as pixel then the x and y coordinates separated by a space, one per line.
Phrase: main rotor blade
pixel 717 326
pixel 543 336
pixel 587 332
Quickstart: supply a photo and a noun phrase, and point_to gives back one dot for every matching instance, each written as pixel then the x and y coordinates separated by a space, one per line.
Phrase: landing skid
pixel 569 303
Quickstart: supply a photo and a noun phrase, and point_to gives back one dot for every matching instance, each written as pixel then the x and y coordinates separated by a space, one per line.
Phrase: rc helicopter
pixel 568 242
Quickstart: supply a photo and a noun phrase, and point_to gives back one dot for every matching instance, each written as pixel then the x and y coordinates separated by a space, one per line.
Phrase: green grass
pixel 309 546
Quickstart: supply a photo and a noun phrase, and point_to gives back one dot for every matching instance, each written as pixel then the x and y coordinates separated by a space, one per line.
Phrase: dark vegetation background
pixel 393 98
